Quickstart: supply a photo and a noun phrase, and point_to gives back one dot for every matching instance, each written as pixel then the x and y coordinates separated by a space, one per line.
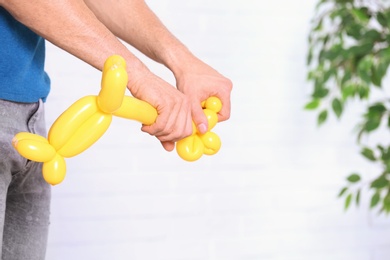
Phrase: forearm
pixel 136 24
pixel 73 27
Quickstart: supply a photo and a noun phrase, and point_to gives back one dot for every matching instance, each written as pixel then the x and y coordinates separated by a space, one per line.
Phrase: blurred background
pixel 271 191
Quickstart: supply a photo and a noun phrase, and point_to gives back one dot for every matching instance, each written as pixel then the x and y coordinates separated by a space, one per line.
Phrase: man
pixel 89 30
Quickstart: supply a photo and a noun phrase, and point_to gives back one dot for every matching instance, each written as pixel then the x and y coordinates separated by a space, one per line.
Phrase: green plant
pixel 348 57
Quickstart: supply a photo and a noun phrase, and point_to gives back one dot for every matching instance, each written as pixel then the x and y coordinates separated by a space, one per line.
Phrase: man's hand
pixel 198 81
pixel 174 121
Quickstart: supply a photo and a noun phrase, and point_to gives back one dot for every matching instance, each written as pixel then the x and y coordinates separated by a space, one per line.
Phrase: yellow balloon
pixel 212 118
pixel 70 121
pixel 54 171
pixel 35 150
pixel 30 136
pixel 86 135
pixel 114 82
pixel 190 148
pixel 138 110
pixel 194 129
pixel 194 146
pixel 214 104
pixel 85 121
pixel 114 60
pixel 212 143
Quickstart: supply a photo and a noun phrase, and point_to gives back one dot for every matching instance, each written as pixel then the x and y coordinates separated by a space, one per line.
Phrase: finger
pixel 199 118
pixel 160 127
pixel 224 114
pixel 224 96
pixel 177 129
pixel 167 129
pixel 168 146
pixel 173 129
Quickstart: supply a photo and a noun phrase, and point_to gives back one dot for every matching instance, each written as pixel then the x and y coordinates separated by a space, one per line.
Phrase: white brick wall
pixel 271 191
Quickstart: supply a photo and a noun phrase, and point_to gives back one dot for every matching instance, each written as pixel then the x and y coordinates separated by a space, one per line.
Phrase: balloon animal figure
pixel 84 122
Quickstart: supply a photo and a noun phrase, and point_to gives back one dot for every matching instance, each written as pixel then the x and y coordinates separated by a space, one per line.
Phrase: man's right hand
pixel 174 120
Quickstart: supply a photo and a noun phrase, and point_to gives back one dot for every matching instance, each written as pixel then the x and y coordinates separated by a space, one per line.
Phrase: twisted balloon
pixel 86 120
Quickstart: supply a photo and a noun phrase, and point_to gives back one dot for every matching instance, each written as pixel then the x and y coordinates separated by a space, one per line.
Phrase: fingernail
pixel 202 128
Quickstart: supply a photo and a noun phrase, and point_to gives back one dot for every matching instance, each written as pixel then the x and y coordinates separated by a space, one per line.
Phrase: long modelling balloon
pixel 86 120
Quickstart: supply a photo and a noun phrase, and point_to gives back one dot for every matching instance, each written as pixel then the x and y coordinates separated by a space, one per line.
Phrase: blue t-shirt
pixel 22 59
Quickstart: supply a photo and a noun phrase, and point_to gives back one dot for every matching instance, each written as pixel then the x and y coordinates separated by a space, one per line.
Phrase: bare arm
pixel 135 23
pixel 72 26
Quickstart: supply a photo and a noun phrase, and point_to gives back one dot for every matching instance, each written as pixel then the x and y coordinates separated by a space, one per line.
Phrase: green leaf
pixel 360 134
pixel 385 153
pixel 354 30
pixel 388 122
pixel 322 117
pixel 387 165
pixel 386 203
pixel 346 18
pixel 357 199
pixel 361 50
pixel 312 104
pixel 363 91
pixel 368 153
pixel 381 69
pixel 346 77
pixel 380 183
pixel 376 77
pixel 309 56
pixel 372 35
pixel 360 15
pixel 365 76
pixel 348 91
pixel 348 200
pixel 331 54
pixel 372 124
pixel 374 117
pixel 342 191
pixel 337 106
pixel 375 200
pixel 381 148
pixel 383 65
pixel 338 12
pixel 353 178
pixel 364 69
pixel 328 74
pixel 377 109
pixel 320 92
pixel 384 53
pixel 311 75
pixel 382 20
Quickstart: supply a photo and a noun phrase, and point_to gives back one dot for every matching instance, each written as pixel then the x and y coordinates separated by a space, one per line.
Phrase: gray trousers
pixel 24 195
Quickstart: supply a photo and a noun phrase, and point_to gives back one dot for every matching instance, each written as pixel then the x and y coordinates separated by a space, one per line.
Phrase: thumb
pixel 200 119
